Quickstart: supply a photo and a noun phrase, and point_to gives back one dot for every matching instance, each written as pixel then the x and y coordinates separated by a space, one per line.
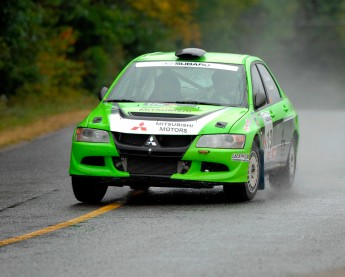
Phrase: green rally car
pixel 188 119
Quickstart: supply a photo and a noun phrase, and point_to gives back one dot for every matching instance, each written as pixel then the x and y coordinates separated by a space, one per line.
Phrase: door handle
pixel 272 114
pixel 285 107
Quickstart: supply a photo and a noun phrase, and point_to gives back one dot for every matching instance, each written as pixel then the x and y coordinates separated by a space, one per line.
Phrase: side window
pixel 256 82
pixel 271 87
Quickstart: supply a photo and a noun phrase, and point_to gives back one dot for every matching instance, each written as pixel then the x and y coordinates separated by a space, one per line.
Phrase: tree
pixel 20 36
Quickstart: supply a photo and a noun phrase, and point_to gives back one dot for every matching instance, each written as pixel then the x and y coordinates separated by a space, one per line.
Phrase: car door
pixel 277 133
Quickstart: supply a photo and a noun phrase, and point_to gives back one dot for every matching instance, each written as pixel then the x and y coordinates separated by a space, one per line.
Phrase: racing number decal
pixel 268 136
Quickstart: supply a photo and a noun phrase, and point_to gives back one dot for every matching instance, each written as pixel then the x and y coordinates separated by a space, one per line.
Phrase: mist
pixel 303 42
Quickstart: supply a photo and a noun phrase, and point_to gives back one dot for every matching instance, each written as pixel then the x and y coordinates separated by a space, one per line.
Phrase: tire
pixel 139 187
pixel 241 192
pixel 88 190
pixel 285 176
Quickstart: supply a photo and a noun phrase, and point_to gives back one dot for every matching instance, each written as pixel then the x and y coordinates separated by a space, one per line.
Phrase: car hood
pixel 165 118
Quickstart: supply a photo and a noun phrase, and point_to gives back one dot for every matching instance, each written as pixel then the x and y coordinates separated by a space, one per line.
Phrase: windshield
pixel 182 82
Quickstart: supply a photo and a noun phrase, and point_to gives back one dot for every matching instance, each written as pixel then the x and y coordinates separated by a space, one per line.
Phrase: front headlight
pixel 221 141
pixel 91 135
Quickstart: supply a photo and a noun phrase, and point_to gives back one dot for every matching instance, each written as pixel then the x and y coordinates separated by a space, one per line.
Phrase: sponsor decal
pixel 247 125
pixel 193 64
pixel 255 118
pixel 274 152
pixel 157 104
pixel 169 104
pixel 188 64
pixel 141 126
pixel 267 78
pixel 271 155
pixel 158 109
pixel 267 137
pixel 270 87
pixel 175 127
pixel 240 157
pixel 158 127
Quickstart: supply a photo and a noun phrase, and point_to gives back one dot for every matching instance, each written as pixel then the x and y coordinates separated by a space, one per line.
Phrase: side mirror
pixel 260 100
pixel 102 93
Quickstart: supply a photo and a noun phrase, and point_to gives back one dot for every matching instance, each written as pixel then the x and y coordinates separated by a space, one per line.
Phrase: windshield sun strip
pixel 188 64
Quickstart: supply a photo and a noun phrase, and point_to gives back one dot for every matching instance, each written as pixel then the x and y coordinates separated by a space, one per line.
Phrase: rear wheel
pixel 285 176
pixel 88 190
pixel 246 191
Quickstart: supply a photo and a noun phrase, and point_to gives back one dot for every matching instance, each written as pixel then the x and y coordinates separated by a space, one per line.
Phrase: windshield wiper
pixel 118 100
pixel 198 103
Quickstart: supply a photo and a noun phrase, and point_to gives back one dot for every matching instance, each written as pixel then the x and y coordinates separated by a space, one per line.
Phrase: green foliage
pixel 323 22
pixel 299 33
pixel 19 40
pixel 55 48
pixel 52 49
pixel 340 28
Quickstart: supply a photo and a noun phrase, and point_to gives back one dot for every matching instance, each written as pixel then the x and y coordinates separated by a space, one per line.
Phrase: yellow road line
pixel 65 224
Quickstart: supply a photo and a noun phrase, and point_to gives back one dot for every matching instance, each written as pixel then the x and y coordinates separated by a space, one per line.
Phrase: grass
pixel 28 119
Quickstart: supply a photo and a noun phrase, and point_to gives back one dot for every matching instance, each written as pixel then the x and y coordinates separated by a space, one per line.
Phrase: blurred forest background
pixel 56 54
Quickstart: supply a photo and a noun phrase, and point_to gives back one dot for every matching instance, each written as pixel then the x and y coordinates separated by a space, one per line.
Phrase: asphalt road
pixel 176 232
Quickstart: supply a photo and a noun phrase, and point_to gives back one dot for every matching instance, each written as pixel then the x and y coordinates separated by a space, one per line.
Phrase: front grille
pixel 163 140
pixel 174 140
pixel 130 139
pixel 151 154
pixel 144 152
pixel 151 166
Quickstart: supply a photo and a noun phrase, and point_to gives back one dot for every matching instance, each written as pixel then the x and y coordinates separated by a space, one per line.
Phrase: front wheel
pixel 140 187
pixel 88 190
pixel 246 191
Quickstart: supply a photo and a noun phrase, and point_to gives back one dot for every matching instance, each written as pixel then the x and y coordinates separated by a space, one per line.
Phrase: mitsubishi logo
pixel 151 142
pixel 141 126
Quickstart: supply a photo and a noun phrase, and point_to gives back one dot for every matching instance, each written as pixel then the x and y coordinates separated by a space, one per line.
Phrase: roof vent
pixel 190 53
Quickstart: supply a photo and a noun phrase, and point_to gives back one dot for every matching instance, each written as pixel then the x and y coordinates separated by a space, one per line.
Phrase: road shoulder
pixel 40 127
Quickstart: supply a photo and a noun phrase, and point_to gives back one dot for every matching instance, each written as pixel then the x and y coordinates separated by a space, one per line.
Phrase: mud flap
pixel 262 170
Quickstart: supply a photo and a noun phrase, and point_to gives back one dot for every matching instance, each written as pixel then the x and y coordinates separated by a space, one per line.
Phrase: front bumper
pixel 193 169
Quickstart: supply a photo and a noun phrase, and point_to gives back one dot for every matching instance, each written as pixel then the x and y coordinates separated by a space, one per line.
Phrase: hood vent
pixel 161 115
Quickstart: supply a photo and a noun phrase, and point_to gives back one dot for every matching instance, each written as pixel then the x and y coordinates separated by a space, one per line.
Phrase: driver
pixel 167 88
pixel 225 86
